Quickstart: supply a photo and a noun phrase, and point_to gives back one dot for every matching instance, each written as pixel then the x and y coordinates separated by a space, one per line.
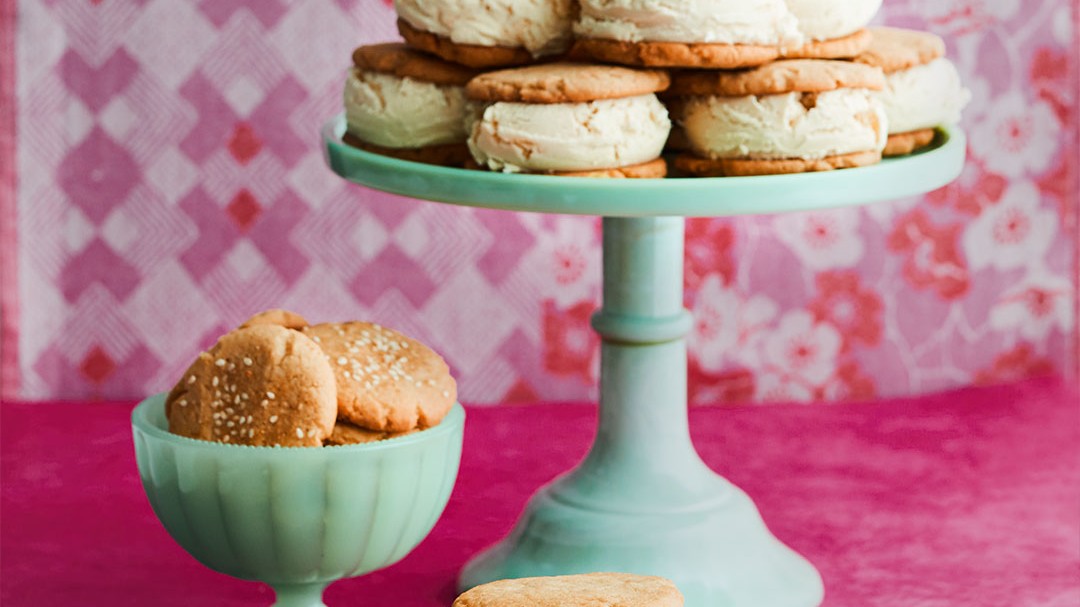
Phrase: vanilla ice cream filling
pixel 403 113
pixel 604 134
pixel 760 22
pixel 543 27
pixel 789 125
pixel 828 19
pixel 923 96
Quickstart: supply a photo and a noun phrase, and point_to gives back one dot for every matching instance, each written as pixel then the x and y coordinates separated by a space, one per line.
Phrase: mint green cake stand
pixel 642 501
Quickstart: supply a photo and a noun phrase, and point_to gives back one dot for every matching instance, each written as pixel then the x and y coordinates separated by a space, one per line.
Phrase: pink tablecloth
pixel 971 498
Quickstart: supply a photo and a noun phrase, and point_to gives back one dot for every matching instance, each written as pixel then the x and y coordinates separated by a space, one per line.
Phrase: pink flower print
pixel 727 326
pixel 803 347
pixel 567 260
pixel 854 311
pixel 1050 72
pixel 1061 185
pixel 1017 364
pixel 708 251
pixel 728 388
pixel 824 240
pixel 1039 304
pixel 571 346
pixel 974 190
pixel 933 259
pixel 849 383
pixel 1016 136
pixel 959 17
pixel 1013 233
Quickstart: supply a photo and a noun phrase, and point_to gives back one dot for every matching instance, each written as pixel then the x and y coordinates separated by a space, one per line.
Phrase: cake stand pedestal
pixel 642 501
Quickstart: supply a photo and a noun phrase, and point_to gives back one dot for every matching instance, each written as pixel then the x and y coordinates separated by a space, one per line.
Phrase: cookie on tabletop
pixel 922 90
pixel 583 590
pixel 570 119
pixel 260 385
pixel 485 34
pixel 402 103
pixel 789 116
pixel 386 382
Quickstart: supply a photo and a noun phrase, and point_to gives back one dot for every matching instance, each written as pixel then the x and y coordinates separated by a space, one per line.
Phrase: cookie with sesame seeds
pixel 261 385
pixel 385 381
pixel 276 316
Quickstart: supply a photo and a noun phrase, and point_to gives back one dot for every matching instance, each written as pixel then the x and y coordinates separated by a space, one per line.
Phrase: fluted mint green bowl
pixel 296 518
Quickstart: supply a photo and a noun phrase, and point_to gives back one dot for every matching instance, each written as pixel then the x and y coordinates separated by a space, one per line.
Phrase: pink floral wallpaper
pixel 168 183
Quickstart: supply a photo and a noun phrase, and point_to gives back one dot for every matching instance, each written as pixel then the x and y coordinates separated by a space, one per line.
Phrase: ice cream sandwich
pixel 833 29
pixel 789 116
pixel 487 33
pixel 922 88
pixel 406 104
pixel 570 119
pixel 724 34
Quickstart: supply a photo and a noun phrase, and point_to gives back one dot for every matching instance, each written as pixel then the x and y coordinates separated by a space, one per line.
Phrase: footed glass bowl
pixel 296 518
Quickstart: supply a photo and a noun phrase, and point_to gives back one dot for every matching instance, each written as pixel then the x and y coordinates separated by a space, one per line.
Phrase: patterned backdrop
pixel 169 183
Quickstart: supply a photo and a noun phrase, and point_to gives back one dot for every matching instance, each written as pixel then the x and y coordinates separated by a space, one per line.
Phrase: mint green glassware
pixel 642 501
pixel 296 518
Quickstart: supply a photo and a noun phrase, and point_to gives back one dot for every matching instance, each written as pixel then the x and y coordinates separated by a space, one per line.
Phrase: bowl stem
pixel 299 595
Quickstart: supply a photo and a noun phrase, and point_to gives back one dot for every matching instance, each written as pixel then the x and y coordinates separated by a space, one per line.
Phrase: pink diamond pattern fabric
pixel 170 184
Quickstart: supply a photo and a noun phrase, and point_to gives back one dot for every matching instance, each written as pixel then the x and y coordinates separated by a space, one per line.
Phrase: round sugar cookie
pixel 385 380
pixel 282 318
pixel 565 83
pixel 583 590
pixel 902 144
pixel 444 154
pixel 346 433
pixel 470 55
pixel 785 76
pixel 261 385
pixel 837 48
pixel 398 59
pixel 747 167
pixel 894 49
pixel 676 54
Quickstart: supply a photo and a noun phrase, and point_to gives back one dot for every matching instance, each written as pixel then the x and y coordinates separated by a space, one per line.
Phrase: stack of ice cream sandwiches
pixel 618 88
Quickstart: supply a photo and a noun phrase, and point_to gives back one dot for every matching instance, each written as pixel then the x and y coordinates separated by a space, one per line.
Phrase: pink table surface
pixel 969 498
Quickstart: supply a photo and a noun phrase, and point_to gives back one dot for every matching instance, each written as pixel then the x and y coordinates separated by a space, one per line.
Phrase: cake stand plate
pixel 642 501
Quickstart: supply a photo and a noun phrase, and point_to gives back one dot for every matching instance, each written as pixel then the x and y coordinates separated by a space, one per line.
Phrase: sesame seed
pixel 315 338
pixel 405 345
pixel 273 419
pixel 248 361
pixel 191 379
pixel 229 410
pixel 311 433
pixel 220 362
pixel 299 433
pixel 270 395
pixel 264 402
pixel 236 400
pixel 347 374
pixel 182 402
pixel 230 424
pixel 226 439
pixel 232 366
pixel 214 381
pixel 217 422
pixel 342 361
pixel 251 433
pixel 446 393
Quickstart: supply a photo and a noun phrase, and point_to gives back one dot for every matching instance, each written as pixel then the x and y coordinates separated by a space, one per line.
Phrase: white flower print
pixel 1036 306
pixel 1013 233
pixel 781 388
pixel 803 347
pixel 825 240
pixel 727 326
pixel 1016 136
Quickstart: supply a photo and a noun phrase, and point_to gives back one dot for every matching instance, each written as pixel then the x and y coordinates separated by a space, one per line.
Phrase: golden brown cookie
pixel 893 49
pixel 446 154
pixel 385 380
pixel 471 55
pixel 654 169
pixel 346 433
pixel 838 48
pixel 801 75
pixel 746 167
pixel 901 144
pixel 585 590
pixel 676 54
pixel 399 60
pixel 282 318
pixel 565 83
pixel 261 385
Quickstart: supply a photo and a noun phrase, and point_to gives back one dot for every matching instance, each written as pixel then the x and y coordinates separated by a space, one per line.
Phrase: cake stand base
pixel 719 554
pixel 642 501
